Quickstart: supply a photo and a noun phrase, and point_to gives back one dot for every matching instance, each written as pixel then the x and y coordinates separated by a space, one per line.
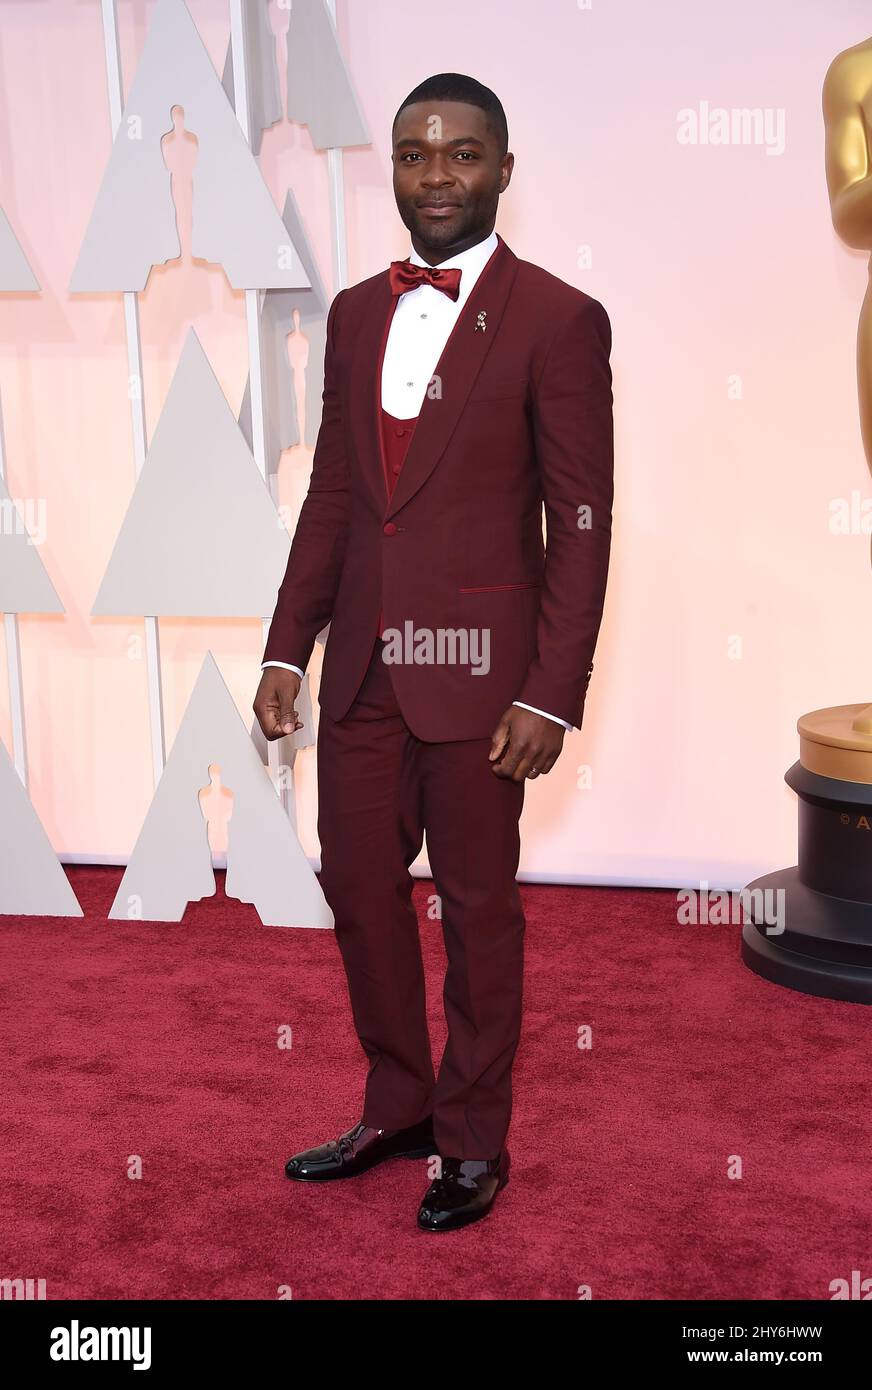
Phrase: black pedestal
pixel 826 946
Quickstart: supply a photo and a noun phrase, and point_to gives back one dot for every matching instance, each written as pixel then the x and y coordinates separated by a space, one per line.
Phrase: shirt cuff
pixel 544 714
pixel 284 665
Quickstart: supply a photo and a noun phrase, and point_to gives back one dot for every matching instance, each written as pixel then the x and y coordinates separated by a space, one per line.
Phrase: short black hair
pixel 454 86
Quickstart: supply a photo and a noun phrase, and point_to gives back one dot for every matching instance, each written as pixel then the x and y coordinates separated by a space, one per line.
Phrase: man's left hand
pixel 525 744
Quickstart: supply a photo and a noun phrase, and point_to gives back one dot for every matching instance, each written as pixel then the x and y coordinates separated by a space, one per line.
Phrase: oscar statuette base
pixel 825 948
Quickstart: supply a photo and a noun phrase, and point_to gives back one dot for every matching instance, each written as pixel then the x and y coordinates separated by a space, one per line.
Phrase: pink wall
pixel 715 263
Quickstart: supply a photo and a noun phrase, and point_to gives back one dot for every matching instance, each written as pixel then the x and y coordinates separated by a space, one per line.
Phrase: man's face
pixel 448 175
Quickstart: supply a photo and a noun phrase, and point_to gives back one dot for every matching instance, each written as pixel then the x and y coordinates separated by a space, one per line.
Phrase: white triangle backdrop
pixel 202 536
pixel 277 322
pixel 171 863
pixel 24 583
pixel 133 224
pixel 15 271
pixel 321 94
pixel 262 73
pixel 32 880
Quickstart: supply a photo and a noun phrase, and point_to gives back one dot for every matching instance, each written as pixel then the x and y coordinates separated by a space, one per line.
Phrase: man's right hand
pixel 274 703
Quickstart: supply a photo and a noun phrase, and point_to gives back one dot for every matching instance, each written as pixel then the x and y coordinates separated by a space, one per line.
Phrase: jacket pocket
pixel 499 588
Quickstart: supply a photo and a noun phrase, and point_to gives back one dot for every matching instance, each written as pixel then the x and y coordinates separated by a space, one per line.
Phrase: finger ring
pixel 534 772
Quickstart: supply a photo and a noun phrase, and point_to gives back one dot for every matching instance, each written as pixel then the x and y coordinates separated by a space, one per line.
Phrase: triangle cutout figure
pixel 202 536
pixel 276 324
pixel 15 271
pixel 171 864
pixel 32 879
pixel 321 93
pixel 24 583
pixel 263 90
pixel 133 222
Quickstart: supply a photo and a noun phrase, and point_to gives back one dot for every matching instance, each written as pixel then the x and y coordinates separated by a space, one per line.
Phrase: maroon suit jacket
pixel 519 414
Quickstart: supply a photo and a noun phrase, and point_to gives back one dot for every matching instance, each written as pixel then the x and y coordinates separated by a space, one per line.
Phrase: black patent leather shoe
pixel 464 1193
pixel 361 1148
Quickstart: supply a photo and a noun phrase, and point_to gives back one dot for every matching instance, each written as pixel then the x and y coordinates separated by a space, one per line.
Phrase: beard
pixel 439 233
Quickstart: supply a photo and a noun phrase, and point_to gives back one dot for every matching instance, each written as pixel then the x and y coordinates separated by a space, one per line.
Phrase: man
pixel 463 388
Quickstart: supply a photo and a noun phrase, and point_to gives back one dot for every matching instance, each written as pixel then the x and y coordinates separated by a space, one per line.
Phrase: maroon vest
pixel 396 438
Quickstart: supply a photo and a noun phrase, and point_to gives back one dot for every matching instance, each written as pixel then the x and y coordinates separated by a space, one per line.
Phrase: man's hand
pixel 525 744
pixel 274 703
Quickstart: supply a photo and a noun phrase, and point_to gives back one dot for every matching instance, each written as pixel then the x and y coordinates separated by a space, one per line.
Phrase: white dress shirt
pixel 420 327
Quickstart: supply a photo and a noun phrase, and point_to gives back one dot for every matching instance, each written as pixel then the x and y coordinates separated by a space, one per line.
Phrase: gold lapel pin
pixel 480 323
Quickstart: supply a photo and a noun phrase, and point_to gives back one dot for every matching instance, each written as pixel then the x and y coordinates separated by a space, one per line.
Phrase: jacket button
pixel 390 529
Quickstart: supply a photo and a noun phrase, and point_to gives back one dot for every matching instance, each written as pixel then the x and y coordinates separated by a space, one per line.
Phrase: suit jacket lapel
pixel 368 352
pixel 455 374
pixel 454 377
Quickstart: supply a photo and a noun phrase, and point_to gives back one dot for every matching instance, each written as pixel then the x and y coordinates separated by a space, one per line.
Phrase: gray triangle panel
pixel 171 863
pixel 32 879
pixel 15 271
pixel 263 90
pixel 321 93
pixel 24 583
pixel 202 536
pixel 277 322
pixel 133 223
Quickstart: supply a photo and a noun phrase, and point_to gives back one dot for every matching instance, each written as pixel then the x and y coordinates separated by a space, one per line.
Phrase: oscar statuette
pixel 825 947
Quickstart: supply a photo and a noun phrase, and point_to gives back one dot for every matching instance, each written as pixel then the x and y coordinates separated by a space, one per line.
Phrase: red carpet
pixel 161 1041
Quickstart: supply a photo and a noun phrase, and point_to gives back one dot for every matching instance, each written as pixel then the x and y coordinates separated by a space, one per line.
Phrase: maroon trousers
pixel 379 789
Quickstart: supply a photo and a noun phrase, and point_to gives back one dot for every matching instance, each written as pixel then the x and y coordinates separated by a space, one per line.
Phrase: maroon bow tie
pixel 406 276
